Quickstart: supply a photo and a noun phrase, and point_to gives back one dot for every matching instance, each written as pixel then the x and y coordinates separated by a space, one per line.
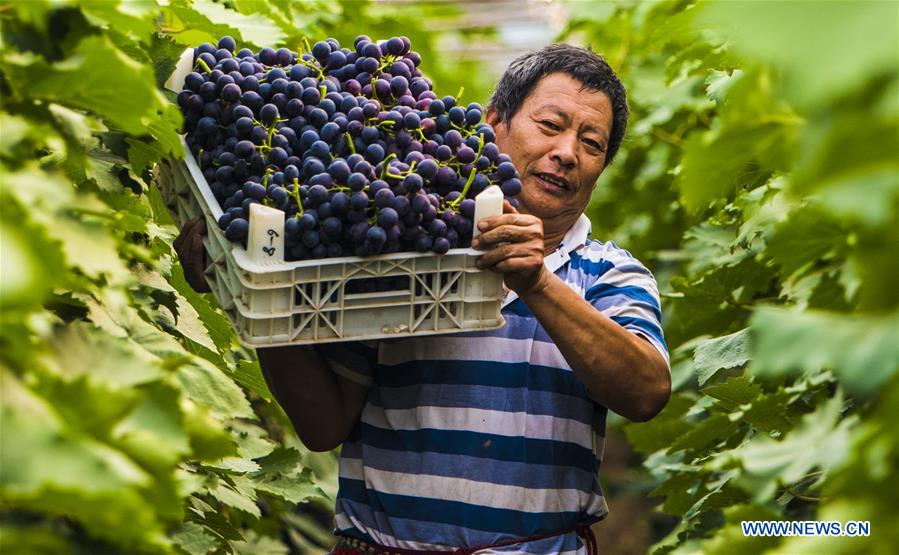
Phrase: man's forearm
pixel 310 393
pixel 620 370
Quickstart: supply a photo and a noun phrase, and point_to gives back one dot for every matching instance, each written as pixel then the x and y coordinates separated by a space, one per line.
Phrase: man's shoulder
pixel 597 257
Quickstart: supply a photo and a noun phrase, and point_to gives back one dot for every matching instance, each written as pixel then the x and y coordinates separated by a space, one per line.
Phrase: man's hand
pixel 515 243
pixel 192 253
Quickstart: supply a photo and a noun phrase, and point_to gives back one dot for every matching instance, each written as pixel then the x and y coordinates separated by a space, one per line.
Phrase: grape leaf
pixel 194 539
pixel 716 428
pixel 241 495
pixel 282 460
pixel 729 351
pixel 296 488
pixel 734 392
pixel 249 375
pixel 861 350
pixel 819 61
pixel 123 97
pixel 806 236
pixel 664 429
pixel 210 387
pixel 819 441
pixel 256 29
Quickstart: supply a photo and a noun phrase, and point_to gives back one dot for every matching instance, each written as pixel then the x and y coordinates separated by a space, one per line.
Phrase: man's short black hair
pixel 582 64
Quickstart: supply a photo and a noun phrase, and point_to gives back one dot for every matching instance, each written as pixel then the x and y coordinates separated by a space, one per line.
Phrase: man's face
pixel 558 141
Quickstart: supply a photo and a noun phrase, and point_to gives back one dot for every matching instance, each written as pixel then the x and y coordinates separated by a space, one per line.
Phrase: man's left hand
pixel 514 245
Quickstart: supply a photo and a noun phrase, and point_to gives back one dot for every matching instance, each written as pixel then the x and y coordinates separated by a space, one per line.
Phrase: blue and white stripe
pixel 477 438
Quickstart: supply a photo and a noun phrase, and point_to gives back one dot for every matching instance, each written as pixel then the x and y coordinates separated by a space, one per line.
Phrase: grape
pixel 244 149
pixel 374 153
pixel 332 226
pixel 437 228
pixel 321 50
pixel 339 146
pixel 231 93
pixel 256 191
pixel 411 120
pixel 427 169
pixel 237 230
pixel 340 203
pixel 372 50
pixel 277 156
pixel 310 238
pixel 387 217
pixel 357 181
pixel 457 115
pixel 376 235
pixel 318 194
pixel 465 155
pixel 441 245
pixel 317 116
pixel 242 112
pixel 292 227
pixel 423 242
pixel 511 187
pixel 308 221
pixel 505 171
pixel 320 149
pixel 413 183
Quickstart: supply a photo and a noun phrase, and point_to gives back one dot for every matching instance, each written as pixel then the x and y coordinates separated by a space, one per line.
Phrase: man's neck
pixel 552 240
pixel 553 230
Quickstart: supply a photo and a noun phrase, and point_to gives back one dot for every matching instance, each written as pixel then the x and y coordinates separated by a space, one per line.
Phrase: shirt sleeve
pixel 354 360
pixel 627 293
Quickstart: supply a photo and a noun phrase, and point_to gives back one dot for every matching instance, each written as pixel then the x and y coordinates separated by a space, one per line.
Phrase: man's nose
pixel 564 150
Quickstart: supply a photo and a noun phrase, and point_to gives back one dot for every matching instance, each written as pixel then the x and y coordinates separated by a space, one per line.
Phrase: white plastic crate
pixel 317 301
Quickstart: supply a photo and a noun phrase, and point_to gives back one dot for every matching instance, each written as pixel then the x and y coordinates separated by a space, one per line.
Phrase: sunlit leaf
pixel 862 350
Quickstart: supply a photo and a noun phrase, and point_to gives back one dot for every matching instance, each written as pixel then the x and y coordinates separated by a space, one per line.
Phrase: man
pixel 492 441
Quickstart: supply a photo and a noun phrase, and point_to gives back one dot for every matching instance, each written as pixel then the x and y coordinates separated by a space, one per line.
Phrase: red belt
pixel 352 546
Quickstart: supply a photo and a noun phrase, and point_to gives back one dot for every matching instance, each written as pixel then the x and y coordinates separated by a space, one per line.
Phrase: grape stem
pixel 386 163
pixel 296 195
pixel 200 62
pixel 310 65
pixel 349 140
pixel 471 176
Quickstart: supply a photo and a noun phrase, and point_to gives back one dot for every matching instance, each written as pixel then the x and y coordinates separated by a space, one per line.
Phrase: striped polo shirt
pixel 477 438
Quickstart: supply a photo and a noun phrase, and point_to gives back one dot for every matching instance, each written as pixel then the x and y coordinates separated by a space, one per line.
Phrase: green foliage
pixel 760 179
pixel 132 420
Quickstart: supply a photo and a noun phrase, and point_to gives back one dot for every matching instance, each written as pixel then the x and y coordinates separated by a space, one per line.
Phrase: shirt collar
pixel 575 238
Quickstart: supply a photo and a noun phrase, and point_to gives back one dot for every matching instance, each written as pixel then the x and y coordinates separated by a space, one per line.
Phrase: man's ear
pixel 492 117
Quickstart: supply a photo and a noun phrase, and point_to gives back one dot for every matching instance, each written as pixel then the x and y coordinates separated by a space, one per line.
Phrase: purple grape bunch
pixel 353 145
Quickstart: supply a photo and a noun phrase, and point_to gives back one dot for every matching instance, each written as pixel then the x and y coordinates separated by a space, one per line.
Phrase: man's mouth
pixel 553 182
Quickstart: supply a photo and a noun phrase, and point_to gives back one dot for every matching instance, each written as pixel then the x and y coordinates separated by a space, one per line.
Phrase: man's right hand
pixel 192 253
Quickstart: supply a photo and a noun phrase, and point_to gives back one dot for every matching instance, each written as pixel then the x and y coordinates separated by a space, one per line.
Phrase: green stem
pixel 474 172
pixel 349 140
pixel 386 165
pixel 200 62
pixel 296 195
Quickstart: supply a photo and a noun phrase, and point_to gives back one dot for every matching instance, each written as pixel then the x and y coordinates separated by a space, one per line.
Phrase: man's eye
pixel 595 145
pixel 551 125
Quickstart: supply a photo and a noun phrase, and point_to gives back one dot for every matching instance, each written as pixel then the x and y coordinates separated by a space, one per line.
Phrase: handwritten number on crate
pixel 270 250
